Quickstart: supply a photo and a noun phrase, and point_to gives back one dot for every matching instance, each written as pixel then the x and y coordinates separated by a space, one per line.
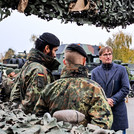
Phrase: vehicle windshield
pixel 96 60
pixel 132 72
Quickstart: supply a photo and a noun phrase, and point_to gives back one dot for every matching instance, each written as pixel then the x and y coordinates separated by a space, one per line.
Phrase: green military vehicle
pixel 3 68
pixel 16 61
pixel 130 71
pixel 131 77
pixel 19 59
pixel 91 50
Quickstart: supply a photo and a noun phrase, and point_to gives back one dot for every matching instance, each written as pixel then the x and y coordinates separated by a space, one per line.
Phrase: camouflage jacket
pixel 34 76
pixel 76 91
pixel 6 87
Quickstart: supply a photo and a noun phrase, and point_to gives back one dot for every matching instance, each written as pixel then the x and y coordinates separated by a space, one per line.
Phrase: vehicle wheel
pixel 24 60
pixel 132 86
pixel 20 62
pixel 12 61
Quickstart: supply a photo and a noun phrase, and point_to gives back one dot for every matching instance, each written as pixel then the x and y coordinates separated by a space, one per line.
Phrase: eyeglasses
pixel 106 55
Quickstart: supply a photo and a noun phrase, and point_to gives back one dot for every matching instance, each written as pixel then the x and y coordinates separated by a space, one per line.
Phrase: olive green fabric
pixel 6 88
pixel 16 70
pixel 9 70
pixel 15 121
pixel 105 13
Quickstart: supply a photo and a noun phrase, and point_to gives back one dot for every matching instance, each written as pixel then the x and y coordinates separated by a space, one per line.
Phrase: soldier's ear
pixel 84 61
pixel 46 49
pixel 64 61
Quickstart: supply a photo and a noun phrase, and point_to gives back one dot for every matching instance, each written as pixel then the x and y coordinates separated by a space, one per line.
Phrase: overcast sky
pixel 17 29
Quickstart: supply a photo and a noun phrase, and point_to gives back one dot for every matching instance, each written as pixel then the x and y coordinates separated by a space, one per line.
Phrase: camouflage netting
pixel 101 13
pixel 15 121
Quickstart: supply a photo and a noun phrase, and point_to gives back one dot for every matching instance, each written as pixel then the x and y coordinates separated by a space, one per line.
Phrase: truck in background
pixel 19 59
pixel 91 50
pixel 130 70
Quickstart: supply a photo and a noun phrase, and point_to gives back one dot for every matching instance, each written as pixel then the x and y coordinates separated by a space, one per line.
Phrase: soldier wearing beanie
pixel 75 91
pixel 16 70
pixel 36 72
pixel 7 82
pixel 10 72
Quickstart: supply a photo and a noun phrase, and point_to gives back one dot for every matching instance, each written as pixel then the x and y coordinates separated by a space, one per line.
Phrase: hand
pixel 110 102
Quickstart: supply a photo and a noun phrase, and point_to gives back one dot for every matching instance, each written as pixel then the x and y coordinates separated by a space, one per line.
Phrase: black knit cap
pixel 50 38
pixel 77 48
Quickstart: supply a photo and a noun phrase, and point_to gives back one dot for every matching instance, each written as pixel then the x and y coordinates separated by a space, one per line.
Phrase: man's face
pixel 52 52
pixel 106 57
pixel 11 74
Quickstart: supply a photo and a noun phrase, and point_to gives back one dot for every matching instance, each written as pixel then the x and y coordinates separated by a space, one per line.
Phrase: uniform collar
pixel 47 61
pixel 74 71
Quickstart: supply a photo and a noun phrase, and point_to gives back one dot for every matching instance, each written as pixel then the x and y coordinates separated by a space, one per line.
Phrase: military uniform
pixel 76 91
pixel 6 87
pixel 33 77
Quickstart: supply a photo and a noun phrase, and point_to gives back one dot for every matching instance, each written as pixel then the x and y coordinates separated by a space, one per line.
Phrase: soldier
pixel 74 90
pixel 10 73
pixel 7 82
pixel 6 88
pixel 36 72
pixel 16 72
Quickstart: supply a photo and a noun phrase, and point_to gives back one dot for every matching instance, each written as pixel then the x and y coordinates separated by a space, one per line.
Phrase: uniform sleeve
pixel 100 111
pixel 7 84
pixel 41 107
pixel 15 93
pixel 35 84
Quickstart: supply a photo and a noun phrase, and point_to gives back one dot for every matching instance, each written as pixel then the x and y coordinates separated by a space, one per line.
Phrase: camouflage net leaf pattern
pixel 101 13
pixel 15 121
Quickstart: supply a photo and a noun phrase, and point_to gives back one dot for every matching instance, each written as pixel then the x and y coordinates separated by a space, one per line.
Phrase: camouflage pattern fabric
pixel 34 76
pixel 6 87
pixel 15 121
pixel 75 91
pixel 101 13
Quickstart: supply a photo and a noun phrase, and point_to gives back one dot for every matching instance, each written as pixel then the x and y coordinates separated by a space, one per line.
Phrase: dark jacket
pixel 116 86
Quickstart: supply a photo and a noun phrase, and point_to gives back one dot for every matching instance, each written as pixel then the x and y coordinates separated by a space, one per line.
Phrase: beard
pixel 50 54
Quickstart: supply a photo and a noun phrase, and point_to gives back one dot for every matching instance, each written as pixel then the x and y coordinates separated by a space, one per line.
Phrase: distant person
pixel 113 78
pixel 16 71
pixel 74 90
pixel 6 88
pixel 7 83
pixel 36 72
pixel 10 73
